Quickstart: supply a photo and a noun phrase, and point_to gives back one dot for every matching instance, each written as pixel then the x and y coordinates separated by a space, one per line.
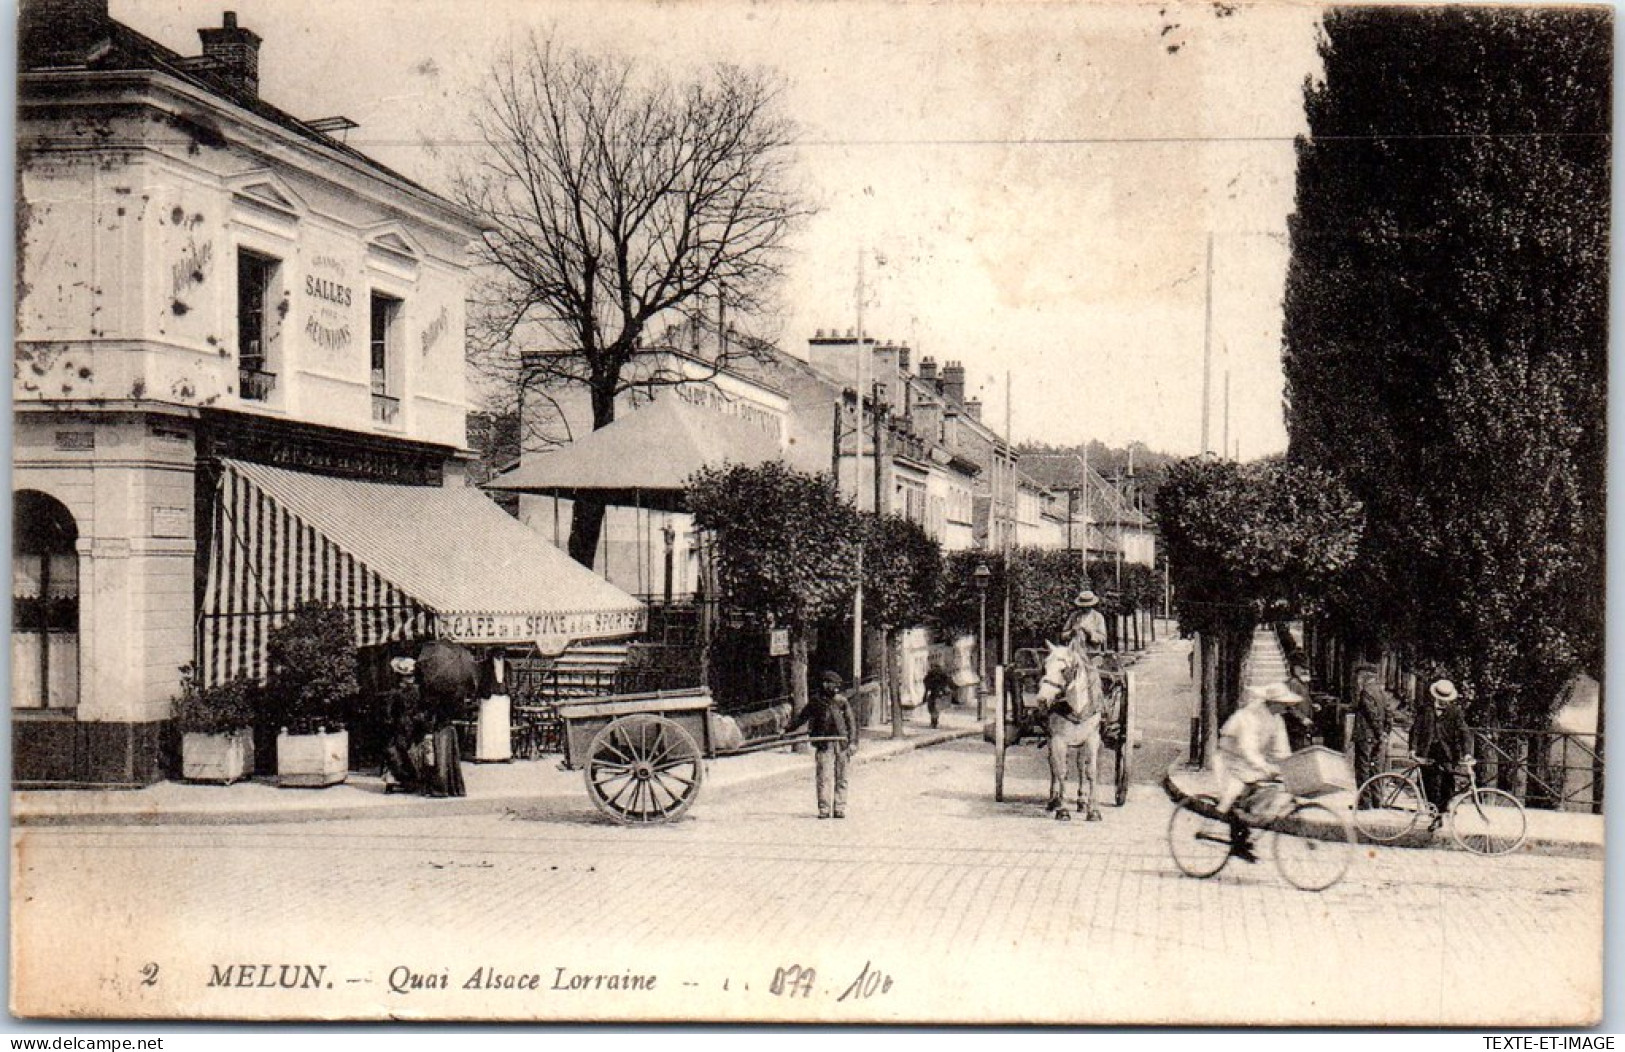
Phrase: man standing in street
pixel 829 722
pixel 1441 740
pixel 1373 720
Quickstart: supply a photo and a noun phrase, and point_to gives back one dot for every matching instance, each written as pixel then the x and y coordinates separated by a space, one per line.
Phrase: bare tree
pixel 613 197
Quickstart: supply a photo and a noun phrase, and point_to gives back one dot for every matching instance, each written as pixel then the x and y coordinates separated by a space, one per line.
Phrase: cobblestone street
pixel 974 910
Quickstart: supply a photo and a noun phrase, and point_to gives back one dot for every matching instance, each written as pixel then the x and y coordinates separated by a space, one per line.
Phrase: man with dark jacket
pixel 829 723
pixel 1373 720
pixel 1441 740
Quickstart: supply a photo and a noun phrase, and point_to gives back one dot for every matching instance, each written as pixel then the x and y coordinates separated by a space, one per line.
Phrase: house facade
pixel 203 281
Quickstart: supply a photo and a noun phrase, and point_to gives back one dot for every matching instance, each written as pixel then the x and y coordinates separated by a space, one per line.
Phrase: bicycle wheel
pixel 1199 842
pixel 1387 807
pixel 1488 822
pixel 1314 847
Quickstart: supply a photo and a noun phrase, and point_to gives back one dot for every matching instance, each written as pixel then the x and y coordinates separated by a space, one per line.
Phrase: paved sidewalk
pixel 492 787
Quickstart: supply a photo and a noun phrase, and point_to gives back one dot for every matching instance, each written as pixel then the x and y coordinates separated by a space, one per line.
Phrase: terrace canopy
pixel 646 457
pixel 405 562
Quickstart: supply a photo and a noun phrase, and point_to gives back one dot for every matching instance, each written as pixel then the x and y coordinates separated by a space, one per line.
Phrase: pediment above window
pixel 394 251
pixel 264 190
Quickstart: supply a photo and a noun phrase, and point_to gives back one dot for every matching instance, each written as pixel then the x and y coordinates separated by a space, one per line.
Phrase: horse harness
pixel 1059 706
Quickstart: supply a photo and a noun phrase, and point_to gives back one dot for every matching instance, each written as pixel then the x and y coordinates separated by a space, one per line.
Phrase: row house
pixel 1099 515
pixel 238 385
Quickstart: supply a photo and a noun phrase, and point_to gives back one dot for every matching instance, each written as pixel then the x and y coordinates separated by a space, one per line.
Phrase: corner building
pixel 203 280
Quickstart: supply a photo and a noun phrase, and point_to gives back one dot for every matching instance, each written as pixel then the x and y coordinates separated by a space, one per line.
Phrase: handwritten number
pixel 149 972
pixel 794 981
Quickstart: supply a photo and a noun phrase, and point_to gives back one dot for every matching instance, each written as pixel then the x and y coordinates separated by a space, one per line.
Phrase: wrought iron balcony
pixel 385 409
pixel 255 385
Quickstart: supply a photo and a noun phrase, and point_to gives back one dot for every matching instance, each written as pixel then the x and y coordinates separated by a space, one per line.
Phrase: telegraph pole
pixel 1015 492
pixel 1207 349
pixel 857 497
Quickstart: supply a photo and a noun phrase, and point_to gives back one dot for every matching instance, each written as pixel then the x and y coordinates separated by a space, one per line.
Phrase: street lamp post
pixel 981 575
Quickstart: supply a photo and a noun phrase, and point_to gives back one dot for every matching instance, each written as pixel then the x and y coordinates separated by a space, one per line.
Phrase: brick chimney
pixel 903 356
pixel 953 382
pixel 236 53
pixel 973 409
pixel 59 32
pixel 928 369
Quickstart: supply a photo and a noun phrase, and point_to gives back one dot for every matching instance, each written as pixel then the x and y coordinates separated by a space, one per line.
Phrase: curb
pixel 876 751
pixel 1532 845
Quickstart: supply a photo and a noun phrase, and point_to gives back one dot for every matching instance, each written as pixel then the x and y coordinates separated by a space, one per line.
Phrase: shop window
pixel 44 603
pixel 384 341
pixel 256 325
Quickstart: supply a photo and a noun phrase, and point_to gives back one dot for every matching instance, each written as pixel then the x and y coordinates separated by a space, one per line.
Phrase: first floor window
pixel 255 274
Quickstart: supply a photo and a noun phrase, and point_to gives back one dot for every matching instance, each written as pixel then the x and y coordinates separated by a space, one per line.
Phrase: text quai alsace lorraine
pixel 790 982
pixel 403 979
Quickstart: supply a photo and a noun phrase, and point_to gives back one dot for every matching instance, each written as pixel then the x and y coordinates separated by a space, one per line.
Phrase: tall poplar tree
pixel 1446 334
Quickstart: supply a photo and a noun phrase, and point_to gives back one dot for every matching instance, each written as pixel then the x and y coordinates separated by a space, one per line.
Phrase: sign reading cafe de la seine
pixel 474 628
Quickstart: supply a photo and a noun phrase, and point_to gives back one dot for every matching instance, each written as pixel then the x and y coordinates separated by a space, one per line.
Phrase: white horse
pixel 1076 708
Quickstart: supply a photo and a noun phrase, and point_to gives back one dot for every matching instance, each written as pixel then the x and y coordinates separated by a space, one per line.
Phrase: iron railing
pixel 255 385
pixel 385 409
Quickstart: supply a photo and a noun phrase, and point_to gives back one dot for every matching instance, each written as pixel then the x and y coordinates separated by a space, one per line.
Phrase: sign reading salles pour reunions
pixel 518 628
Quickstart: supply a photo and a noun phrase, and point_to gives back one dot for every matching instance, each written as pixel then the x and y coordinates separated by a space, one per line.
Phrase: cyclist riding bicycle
pixel 1442 744
pixel 1251 742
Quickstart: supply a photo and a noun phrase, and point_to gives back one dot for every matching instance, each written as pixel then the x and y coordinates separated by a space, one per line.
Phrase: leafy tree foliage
pixel 787 545
pixel 1043 582
pixel 1446 334
pixel 1246 539
pixel 902 572
pixel 311 683
pixel 902 577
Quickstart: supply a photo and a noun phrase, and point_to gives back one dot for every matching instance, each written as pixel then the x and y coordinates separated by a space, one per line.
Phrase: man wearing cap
pixel 1251 741
pixel 1441 741
pixel 829 723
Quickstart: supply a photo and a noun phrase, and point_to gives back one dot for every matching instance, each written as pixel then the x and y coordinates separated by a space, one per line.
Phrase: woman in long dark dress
pixel 448 676
pixel 405 754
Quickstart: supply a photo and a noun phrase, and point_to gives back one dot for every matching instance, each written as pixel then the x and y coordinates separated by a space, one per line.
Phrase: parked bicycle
pixel 1313 844
pixel 1482 820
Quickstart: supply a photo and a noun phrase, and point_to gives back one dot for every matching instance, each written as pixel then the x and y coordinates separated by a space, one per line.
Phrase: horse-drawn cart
pixel 1020 718
pixel 643 755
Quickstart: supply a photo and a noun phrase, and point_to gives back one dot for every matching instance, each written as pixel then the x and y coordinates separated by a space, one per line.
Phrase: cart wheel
pixel 643 769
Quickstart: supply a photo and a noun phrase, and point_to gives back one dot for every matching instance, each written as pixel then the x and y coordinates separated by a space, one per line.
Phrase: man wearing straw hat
pixel 1251 742
pixel 1441 741
pixel 1085 628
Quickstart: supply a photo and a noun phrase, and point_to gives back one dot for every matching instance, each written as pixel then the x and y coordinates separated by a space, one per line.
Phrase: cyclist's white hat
pixel 1279 693
pixel 403 666
pixel 1443 690
pixel 1086 598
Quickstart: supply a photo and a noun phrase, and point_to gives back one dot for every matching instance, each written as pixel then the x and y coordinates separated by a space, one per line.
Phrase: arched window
pixel 44 603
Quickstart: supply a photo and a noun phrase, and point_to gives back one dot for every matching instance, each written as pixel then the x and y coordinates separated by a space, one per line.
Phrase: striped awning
pixel 406 562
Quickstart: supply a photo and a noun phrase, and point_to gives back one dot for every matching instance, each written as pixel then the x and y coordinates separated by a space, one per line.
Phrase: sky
pixel 1044 181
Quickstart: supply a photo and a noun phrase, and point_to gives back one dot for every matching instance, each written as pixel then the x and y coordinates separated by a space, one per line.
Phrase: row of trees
pixel 1446 363
pixel 1249 542
pixel 1446 337
pixel 788 547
